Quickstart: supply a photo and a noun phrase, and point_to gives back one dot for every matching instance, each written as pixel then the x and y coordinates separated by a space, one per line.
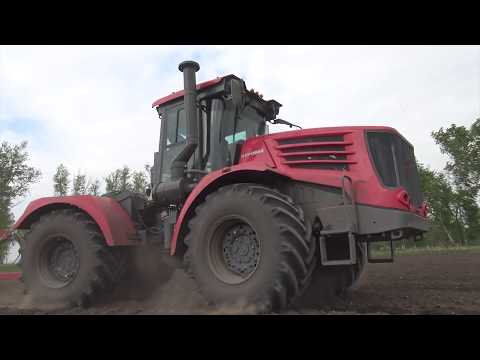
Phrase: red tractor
pixel 254 216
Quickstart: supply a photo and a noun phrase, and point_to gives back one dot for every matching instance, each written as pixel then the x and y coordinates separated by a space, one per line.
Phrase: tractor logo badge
pixel 252 153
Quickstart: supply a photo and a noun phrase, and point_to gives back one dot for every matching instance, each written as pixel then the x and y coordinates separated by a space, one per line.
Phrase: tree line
pixel 453 194
pixel 123 179
pixel 16 177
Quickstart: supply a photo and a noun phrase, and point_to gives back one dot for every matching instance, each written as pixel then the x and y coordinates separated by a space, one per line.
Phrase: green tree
pixel 61 180
pixel 438 194
pixel 79 184
pixel 453 213
pixel 6 219
pixel 126 180
pixel 462 145
pixel 140 180
pixel 16 177
pixel 15 174
pixel 467 216
pixel 125 177
pixel 94 188
pixel 112 182
pixel 118 180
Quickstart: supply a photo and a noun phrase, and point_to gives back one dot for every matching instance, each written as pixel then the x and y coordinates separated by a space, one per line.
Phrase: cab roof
pixel 179 94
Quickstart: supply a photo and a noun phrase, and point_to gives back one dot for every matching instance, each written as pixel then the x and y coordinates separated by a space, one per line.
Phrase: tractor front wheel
pixel 248 246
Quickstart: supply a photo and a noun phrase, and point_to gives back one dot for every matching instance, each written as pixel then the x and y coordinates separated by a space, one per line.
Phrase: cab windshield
pixel 247 124
pixel 228 126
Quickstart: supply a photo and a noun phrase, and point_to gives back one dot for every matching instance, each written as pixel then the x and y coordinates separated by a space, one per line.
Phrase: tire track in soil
pixel 416 284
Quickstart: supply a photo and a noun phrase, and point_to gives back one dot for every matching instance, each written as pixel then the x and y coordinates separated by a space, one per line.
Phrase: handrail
pixel 353 203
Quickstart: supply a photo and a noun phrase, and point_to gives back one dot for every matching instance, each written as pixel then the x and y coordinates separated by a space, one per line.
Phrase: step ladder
pixel 351 227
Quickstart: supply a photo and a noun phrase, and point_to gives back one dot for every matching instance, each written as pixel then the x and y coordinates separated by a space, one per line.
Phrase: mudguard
pixel 255 159
pixel 114 222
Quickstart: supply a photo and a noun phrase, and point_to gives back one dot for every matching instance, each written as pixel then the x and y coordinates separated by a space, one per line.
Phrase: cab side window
pixel 176 136
pixel 176 127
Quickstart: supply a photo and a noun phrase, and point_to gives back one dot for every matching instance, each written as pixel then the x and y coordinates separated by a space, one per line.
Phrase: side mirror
pixel 237 92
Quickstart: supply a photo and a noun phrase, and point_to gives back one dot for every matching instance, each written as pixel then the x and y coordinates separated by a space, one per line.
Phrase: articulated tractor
pixel 253 216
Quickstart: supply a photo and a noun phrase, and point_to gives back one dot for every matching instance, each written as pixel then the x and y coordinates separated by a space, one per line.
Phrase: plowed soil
pixel 414 284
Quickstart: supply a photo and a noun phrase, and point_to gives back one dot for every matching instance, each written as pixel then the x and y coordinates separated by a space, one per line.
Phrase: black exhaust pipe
pixel 173 191
pixel 189 68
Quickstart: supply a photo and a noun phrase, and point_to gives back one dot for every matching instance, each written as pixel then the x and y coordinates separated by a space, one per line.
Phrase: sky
pixel 89 107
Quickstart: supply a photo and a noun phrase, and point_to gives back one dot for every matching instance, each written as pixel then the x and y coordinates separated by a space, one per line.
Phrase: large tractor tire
pixel 66 261
pixel 346 277
pixel 329 282
pixel 356 271
pixel 248 246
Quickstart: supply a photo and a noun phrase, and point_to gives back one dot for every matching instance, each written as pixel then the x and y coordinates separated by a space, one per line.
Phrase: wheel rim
pixel 234 250
pixel 58 262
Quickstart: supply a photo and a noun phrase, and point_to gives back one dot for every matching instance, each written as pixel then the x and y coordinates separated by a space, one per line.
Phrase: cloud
pixel 415 89
pixel 90 106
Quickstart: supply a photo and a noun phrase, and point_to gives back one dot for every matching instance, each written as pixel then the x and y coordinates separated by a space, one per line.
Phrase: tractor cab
pixel 227 115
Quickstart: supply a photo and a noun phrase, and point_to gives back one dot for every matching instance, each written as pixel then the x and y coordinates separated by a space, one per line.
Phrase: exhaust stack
pixel 189 68
pixel 171 192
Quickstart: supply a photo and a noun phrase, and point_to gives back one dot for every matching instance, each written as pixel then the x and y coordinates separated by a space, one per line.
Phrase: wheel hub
pixel 241 250
pixel 62 260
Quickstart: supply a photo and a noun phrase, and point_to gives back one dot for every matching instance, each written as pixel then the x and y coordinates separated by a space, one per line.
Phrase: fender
pixel 113 220
pixel 216 179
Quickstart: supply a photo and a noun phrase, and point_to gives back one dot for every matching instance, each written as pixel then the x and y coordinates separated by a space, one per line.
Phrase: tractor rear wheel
pixel 66 261
pixel 347 277
pixel 328 282
pixel 248 246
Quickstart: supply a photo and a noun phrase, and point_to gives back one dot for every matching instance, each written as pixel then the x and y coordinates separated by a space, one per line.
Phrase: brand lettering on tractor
pixel 252 153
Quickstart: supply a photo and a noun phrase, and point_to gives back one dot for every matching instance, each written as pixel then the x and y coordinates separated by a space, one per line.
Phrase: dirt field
pixel 414 284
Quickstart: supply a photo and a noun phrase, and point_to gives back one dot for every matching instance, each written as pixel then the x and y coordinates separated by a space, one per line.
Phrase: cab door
pixel 174 129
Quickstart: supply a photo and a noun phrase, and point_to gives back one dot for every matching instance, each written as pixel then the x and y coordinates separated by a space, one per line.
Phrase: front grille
pixel 394 160
pixel 326 152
